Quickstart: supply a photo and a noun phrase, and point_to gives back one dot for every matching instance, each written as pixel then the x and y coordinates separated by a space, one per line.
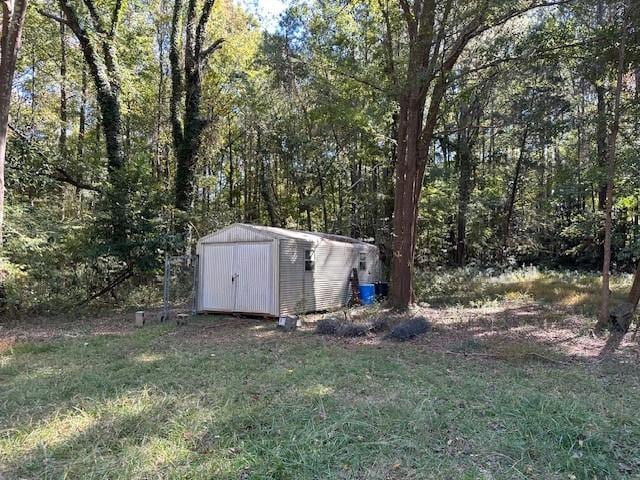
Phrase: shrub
pixel 410 328
pixel 328 326
pixel 379 325
pixel 350 329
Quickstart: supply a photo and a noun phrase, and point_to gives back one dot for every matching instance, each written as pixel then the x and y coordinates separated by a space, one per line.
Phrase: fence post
pixel 165 294
pixel 195 264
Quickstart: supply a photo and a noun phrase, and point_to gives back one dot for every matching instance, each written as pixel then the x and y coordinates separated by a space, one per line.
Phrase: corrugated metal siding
pixel 236 233
pixel 216 292
pixel 291 260
pixel 327 286
pixel 253 267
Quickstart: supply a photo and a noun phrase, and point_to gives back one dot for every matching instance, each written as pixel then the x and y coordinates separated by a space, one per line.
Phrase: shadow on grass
pixel 226 399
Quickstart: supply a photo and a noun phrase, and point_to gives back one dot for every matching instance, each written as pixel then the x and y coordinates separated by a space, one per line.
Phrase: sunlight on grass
pixel 149 357
pixel 152 404
pixel 482 288
pixel 318 391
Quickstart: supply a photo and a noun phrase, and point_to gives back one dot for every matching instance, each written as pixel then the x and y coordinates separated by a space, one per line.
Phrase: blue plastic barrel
pixel 367 293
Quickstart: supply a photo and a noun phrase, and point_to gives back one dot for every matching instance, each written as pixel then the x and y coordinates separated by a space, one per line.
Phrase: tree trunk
pixel 634 293
pixel 62 139
pixel 186 94
pixel 100 56
pixel 514 190
pixel 83 114
pixel 468 120
pixel 464 193
pixel 603 317
pixel 601 143
pixel 427 74
pixel 13 16
pixel 407 198
pixel 231 167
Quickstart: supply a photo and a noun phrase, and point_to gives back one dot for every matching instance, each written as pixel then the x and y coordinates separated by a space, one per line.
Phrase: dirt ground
pixel 509 330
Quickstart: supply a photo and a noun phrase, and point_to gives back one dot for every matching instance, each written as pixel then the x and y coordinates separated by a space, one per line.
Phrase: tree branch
pixel 95 16
pixel 202 23
pixel 60 174
pixel 4 33
pixel 409 18
pixel 517 12
pixel 115 17
pixel 53 17
pixel 63 176
pixel 526 56
pixel 176 77
pixel 212 48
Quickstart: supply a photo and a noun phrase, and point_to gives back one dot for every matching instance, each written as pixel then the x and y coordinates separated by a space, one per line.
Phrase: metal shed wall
pixel 326 287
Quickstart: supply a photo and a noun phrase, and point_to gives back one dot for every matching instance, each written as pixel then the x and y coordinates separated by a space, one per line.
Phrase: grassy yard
pixel 497 390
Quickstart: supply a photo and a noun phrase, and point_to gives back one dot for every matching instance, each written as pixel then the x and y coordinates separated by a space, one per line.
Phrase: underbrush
pixel 473 287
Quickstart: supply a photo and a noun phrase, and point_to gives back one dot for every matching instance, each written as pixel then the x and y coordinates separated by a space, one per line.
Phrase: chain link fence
pixel 180 285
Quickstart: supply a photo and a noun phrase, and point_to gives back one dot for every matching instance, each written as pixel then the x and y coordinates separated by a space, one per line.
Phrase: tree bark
pixel 186 95
pixel 100 55
pixel 13 16
pixel 429 64
pixel 468 130
pixel 603 317
pixel 83 113
pixel 62 139
pixel 464 193
pixel 514 190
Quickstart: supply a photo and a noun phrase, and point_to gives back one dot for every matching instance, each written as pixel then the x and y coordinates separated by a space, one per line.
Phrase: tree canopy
pixel 448 133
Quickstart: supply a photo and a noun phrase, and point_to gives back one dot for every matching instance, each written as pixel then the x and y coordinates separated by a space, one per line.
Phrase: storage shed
pixel 273 271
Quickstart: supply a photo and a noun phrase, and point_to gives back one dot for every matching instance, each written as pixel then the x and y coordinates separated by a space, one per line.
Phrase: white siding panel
pixel 292 276
pixel 253 268
pixel 327 286
pixel 216 269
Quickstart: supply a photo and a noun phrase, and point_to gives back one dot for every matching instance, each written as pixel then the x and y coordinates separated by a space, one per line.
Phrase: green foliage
pixel 303 136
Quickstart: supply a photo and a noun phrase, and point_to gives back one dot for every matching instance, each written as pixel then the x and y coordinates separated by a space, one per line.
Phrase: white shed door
pixel 253 267
pixel 237 278
pixel 217 289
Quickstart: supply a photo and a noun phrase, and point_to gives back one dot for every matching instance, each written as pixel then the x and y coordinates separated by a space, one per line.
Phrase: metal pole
pixel 195 264
pixel 165 294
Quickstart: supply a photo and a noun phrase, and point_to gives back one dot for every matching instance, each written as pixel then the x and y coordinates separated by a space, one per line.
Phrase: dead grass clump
pixel 328 326
pixel 351 329
pixel 379 325
pixel 409 329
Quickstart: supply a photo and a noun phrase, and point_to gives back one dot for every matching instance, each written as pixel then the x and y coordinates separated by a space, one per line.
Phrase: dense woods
pixel 448 133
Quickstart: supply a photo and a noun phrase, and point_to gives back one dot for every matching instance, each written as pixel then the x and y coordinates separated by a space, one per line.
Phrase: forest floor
pixel 510 383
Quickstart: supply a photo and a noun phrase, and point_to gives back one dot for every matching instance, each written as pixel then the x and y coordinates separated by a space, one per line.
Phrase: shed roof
pixel 275 232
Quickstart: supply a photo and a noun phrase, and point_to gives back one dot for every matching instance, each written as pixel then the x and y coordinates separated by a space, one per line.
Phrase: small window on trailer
pixel 362 261
pixel 309 262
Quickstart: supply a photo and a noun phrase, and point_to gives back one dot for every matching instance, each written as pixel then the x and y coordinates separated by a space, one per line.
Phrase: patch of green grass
pixel 468 287
pixel 166 403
